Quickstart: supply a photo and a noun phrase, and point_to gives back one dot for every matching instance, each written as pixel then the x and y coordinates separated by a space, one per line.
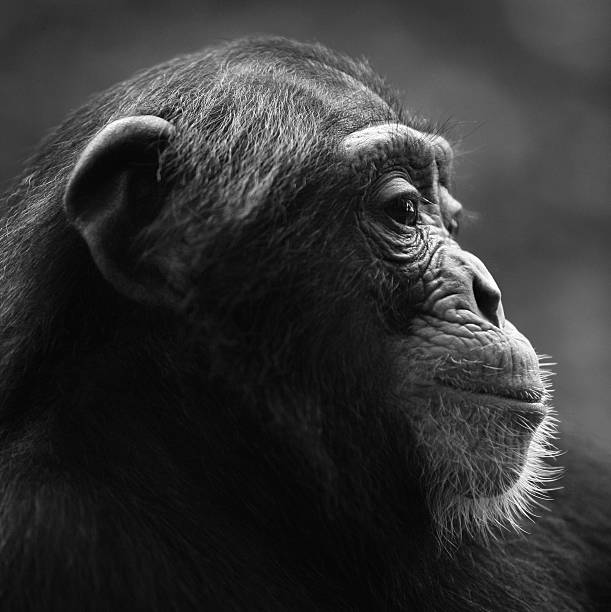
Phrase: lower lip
pixel 533 407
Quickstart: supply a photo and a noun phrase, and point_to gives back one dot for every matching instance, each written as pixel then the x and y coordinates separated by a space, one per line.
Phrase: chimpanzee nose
pixel 466 284
pixel 487 296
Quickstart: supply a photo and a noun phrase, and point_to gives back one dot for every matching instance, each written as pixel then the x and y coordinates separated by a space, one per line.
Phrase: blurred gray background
pixel 524 83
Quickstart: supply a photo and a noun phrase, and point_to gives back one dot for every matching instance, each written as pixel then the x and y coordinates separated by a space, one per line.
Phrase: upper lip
pixel 528 395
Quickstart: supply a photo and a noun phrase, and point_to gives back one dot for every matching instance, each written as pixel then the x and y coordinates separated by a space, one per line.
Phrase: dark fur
pixel 212 459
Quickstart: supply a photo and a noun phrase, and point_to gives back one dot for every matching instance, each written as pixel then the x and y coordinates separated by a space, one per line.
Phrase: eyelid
pixel 394 187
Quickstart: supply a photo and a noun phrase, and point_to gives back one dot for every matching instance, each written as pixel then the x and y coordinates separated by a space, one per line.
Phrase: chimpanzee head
pixel 274 206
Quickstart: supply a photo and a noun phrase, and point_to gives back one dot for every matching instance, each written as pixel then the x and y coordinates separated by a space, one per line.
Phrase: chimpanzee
pixel 245 365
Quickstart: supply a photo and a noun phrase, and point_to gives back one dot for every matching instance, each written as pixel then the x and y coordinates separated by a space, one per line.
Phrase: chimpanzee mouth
pixel 529 399
pixel 528 395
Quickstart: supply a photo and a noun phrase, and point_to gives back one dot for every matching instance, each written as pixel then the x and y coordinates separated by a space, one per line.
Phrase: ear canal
pixel 113 193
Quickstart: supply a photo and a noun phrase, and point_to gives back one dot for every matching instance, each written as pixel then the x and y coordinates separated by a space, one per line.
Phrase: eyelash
pixel 453 225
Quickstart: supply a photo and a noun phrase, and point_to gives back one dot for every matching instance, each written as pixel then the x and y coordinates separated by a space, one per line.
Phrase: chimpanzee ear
pixel 114 192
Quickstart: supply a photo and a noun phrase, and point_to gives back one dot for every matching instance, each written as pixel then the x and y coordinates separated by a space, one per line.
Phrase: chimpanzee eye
pixel 398 200
pixel 403 209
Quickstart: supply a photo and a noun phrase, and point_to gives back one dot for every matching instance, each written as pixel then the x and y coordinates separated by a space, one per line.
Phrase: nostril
pixel 488 299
